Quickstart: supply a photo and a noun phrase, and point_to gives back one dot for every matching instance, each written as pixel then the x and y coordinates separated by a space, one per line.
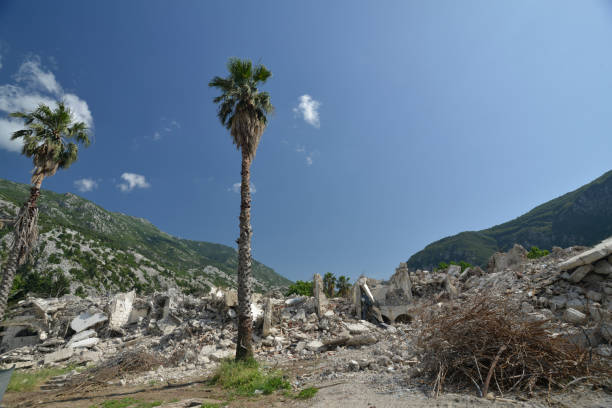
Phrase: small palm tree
pixel 329 281
pixel 46 139
pixel 244 110
pixel 343 286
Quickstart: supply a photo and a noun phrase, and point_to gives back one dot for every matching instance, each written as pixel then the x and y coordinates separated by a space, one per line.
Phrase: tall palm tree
pixel 343 286
pixel 244 110
pixel 46 139
pixel 329 281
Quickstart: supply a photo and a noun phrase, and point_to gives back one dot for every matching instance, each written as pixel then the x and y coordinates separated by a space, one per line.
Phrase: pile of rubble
pixel 373 332
pixel 192 334
pixel 572 286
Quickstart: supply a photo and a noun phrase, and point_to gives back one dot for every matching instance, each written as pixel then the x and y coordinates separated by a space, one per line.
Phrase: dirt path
pixel 359 395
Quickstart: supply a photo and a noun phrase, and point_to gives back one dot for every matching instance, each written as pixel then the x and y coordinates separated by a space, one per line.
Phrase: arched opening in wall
pixel 404 319
pixel 386 319
pixel 26 332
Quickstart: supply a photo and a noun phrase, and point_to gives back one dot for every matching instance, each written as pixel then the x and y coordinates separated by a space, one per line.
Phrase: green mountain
pixel 85 249
pixel 581 217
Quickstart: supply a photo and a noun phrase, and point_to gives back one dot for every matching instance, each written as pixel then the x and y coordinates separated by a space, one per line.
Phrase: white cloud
pixel 34 86
pixel 7 128
pixel 133 181
pixel 308 155
pixel 309 109
pixel 31 73
pixel 85 185
pixel 168 127
pixel 236 188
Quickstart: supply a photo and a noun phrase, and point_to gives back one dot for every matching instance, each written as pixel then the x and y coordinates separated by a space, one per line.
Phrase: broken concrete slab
pixel 357 328
pixel 599 251
pixel 294 301
pixel 86 320
pixel 85 343
pixel 314 345
pixel 82 336
pixel 87 355
pixel 574 316
pixel 580 273
pixel 267 318
pixel 319 294
pixel 59 355
pixel 221 355
pixel 230 298
pixel 120 309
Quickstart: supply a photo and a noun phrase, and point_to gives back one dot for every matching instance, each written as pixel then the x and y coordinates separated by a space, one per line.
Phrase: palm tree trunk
pixel 23 236
pixel 244 348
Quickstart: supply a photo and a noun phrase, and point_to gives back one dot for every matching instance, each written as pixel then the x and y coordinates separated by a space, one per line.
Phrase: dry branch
pixel 490 334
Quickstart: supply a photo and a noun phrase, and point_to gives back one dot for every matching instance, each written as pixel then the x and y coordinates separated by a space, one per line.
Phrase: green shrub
pixel 80 292
pixel 51 283
pixel 537 252
pixel 300 288
pixel 54 259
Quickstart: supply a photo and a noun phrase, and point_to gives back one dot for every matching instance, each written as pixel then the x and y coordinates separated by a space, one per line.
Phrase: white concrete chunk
pixel 599 251
pixel 221 354
pixel 356 328
pixel 82 336
pixel 88 343
pixel 314 345
pixel 59 355
pixel 574 316
pixel 87 320
pixel 120 308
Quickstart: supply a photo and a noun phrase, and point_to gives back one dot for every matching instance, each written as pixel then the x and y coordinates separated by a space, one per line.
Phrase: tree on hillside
pixel 329 281
pixel 243 110
pixel 47 139
pixel 343 286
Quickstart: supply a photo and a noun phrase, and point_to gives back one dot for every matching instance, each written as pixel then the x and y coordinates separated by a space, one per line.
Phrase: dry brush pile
pixel 488 342
pixel 123 364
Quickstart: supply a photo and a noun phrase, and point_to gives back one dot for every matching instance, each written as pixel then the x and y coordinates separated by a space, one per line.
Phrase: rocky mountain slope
pixel 85 249
pixel 581 217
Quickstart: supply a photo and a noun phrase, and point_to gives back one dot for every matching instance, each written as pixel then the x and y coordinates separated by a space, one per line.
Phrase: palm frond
pixel 242 108
pixel 45 138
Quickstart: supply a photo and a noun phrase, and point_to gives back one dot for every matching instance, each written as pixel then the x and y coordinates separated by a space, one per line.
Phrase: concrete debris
pixel 86 343
pixel 82 336
pixel 373 331
pixel 87 320
pixel 120 309
pixel 267 318
pixel 319 294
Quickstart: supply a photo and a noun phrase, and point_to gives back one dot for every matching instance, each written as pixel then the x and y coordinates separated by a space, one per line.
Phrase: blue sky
pixel 397 123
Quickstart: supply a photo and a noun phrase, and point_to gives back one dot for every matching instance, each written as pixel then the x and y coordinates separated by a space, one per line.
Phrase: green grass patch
pixel 246 377
pixel 307 393
pixel 27 380
pixel 127 403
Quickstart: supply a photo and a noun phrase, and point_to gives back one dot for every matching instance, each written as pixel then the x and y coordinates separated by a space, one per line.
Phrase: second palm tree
pixel 244 111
